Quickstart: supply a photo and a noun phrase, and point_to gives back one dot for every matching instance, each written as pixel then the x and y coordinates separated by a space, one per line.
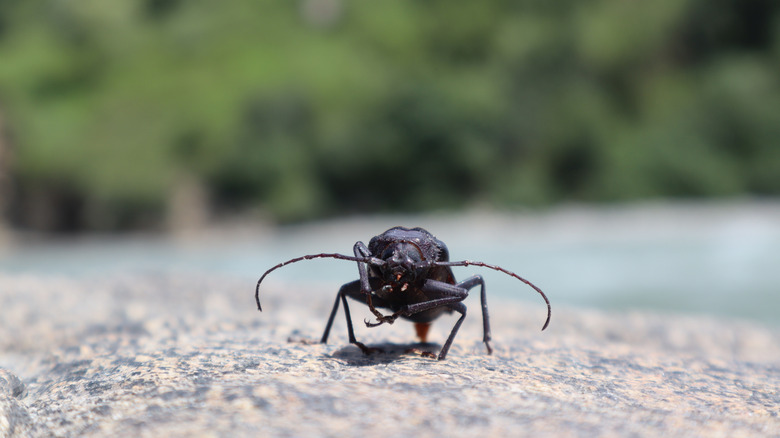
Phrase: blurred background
pixel 158 116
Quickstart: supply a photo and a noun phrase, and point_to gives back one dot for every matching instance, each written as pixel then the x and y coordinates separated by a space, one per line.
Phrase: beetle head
pixel 402 263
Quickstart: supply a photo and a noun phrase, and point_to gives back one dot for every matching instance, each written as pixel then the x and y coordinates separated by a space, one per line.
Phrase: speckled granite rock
pixel 176 355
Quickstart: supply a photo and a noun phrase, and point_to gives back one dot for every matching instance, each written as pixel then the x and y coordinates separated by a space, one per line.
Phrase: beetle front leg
pixel 444 294
pixel 379 316
pixel 361 250
pixel 411 309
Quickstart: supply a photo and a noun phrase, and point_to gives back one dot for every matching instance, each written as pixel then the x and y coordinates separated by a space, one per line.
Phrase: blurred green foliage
pixel 321 107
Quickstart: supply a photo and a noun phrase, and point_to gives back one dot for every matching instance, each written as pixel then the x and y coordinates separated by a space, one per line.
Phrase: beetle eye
pixel 387 254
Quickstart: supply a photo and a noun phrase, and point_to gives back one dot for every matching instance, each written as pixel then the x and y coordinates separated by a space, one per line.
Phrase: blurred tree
pixel 121 110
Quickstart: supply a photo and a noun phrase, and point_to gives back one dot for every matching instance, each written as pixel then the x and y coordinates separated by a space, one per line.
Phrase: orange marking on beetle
pixel 422 330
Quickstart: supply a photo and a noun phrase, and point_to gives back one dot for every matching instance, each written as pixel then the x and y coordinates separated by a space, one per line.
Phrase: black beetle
pixel 407 270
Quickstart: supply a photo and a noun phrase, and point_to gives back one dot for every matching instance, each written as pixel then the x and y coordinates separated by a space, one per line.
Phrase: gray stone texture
pixel 154 355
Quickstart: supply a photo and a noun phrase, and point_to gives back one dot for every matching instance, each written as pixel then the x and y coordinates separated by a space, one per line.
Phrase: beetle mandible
pixel 408 271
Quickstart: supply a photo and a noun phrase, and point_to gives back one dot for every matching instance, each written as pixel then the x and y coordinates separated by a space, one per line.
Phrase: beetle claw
pixel 381 319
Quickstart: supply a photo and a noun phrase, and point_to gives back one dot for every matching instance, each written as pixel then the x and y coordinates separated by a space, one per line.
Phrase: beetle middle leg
pixel 352 289
pixel 455 294
pixel 468 284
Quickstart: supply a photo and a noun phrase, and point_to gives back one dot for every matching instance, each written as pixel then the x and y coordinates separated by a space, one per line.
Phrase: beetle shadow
pixel 388 353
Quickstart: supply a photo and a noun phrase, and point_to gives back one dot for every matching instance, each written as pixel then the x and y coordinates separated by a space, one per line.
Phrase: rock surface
pixel 183 355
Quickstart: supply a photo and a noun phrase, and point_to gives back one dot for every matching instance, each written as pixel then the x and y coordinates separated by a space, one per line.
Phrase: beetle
pixel 408 271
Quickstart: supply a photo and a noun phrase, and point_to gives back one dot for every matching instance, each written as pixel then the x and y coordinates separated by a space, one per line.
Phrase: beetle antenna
pixel 371 260
pixel 500 269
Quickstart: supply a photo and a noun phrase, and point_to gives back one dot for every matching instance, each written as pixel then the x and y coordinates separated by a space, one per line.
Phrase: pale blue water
pixel 719 260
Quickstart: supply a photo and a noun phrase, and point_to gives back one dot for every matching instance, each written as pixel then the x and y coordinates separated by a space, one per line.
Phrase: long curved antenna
pixel 500 269
pixel 372 260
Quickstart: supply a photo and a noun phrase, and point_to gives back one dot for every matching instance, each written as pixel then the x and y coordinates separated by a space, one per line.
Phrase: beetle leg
pixel 447 293
pixel 351 332
pixel 468 284
pixel 332 317
pixel 379 316
pixel 461 289
pixel 347 289
pixel 411 309
pixel 460 308
pixel 361 250
pixel 351 289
